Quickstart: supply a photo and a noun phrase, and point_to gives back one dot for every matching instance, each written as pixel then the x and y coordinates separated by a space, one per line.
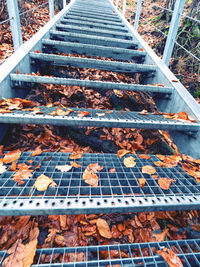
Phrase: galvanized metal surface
pixel 20 78
pixel 116 192
pixel 94 256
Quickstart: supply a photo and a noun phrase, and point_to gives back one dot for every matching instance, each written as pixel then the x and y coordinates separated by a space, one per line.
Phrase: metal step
pixel 17 79
pixel 88 13
pixel 93 20
pixel 91 9
pixel 98 32
pixel 116 66
pixel 116 119
pixel 94 16
pixel 92 50
pixel 93 25
pixel 127 255
pixel 116 191
pixel 89 39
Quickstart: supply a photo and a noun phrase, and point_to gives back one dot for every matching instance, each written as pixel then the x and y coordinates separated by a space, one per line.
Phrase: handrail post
pixel 64 3
pixel 171 37
pixel 13 13
pixel 124 7
pixel 137 15
pixel 51 8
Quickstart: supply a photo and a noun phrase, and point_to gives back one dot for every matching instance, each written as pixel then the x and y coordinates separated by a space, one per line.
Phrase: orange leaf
pixel 143 112
pixel 64 168
pixel 103 228
pixel 75 165
pixel 161 236
pixel 144 156
pixel 165 183
pixel 122 152
pixel 76 155
pixel 12 156
pixel 170 257
pixel 112 170
pixel 129 162
pixel 37 151
pixel 141 182
pixel 148 169
pixel 83 113
pixel 13 166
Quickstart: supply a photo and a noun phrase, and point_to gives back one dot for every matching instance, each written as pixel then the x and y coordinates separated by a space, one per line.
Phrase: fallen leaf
pixel 37 151
pixel 144 156
pixel 13 166
pixel 100 114
pixel 143 112
pixel 75 165
pixel 94 167
pixel 90 177
pixel 112 170
pixel 161 236
pixel 129 162
pixel 23 173
pixel 64 168
pixel 2 168
pixel 141 182
pixel 103 228
pixel 148 169
pixel 15 259
pixel 76 155
pixel 170 257
pixel 83 113
pixel 43 181
pixel 11 156
pixel 165 183
pixel 122 152
pixel 58 112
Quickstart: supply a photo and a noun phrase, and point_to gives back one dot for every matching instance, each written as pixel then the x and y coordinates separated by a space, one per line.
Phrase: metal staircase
pixel 95 28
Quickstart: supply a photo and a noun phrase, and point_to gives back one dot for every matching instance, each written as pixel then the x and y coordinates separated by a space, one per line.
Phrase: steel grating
pixel 136 254
pixel 98 32
pixel 88 13
pixel 116 66
pixel 116 191
pixel 18 78
pixel 99 118
pixel 87 39
pixel 93 50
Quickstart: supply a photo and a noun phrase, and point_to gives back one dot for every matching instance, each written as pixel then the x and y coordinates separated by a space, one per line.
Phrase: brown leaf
pixel 15 259
pixel 165 183
pixel 12 156
pixel 112 170
pixel 37 151
pixel 90 177
pixel 129 162
pixel 76 155
pixel 43 181
pixel 143 112
pixel 161 236
pixel 75 165
pixel 64 168
pixel 83 113
pixel 122 152
pixel 170 257
pixel 13 166
pixel 94 167
pixel 148 169
pixel 144 156
pixel 2 168
pixel 141 182
pixel 103 228
pixel 22 174
pixel 58 112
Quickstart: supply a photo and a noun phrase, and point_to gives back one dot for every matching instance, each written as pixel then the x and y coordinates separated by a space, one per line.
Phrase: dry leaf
pixel 23 173
pixel 112 170
pixel 148 169
pixel 12 156
pixel 143 112
pixel 141 182
pixel 144 156
pixel 122 152
pixel 129 162
pixel 76 155
pixel 170 257
pixel 165 183
pixel 58 112
pixel 103 228
pixel 64 168
pixel 90 178
pixel 37 151
pixel 42 183
pixel 2 168
pixel 75 165
pixel 15 259
pixel 83 113
pixel 13 166
pixel 161 236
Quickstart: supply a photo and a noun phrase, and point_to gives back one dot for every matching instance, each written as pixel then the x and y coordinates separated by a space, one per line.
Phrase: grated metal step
pixel 98 32
pixel 116 119
pixel 93 20
pixel 136 254
pixel 91 9
pixel 89 13
pixel 116 191
pixel 116 66
pixel 19 78
pixel 88 39
pixel 74 22
pixel 92 50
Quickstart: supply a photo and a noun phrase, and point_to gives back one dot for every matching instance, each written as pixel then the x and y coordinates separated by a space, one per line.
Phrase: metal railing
pixel 177 14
